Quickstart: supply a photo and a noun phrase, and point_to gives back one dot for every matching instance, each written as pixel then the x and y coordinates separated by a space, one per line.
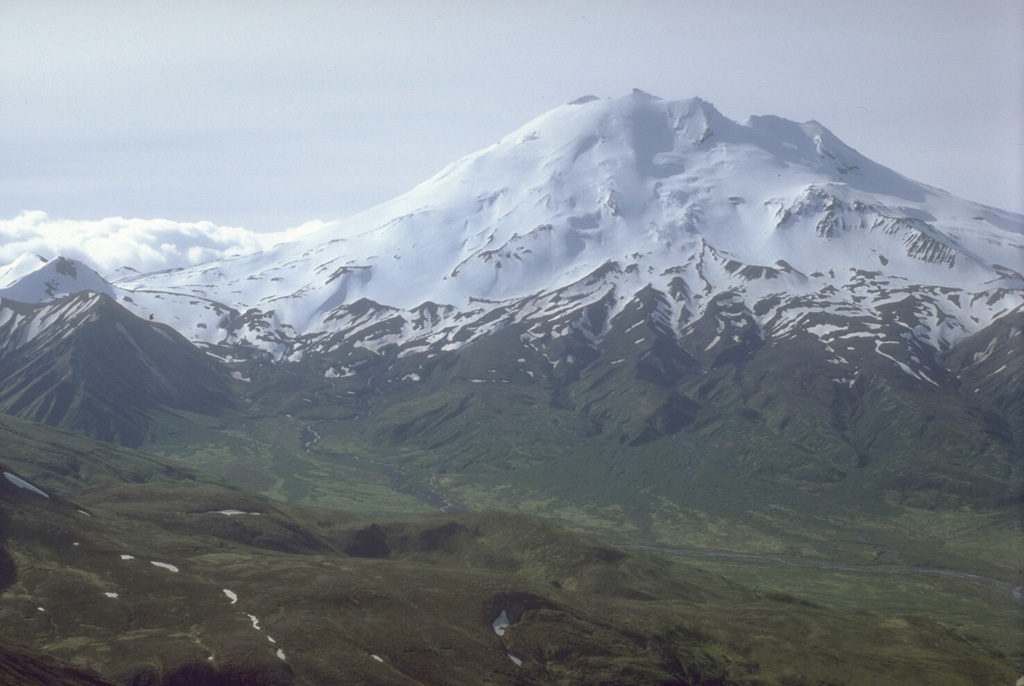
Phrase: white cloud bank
pixel 143 244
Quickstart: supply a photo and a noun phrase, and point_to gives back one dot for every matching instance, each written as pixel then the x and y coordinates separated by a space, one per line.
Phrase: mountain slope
pixel 641 192
pixel 85 363
pixel 33 279
pixel 639 435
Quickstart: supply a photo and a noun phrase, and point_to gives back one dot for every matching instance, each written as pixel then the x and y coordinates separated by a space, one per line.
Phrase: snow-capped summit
pixel 603 198
pixel 34 279
pixel 661 190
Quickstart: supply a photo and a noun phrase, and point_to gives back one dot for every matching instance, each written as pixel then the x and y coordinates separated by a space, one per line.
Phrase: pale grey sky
pixel 269 114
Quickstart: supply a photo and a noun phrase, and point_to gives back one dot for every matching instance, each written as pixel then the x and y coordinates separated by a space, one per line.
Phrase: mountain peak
pixel 638 94
pixel 33 279
pixel 26 263
pixel 685 199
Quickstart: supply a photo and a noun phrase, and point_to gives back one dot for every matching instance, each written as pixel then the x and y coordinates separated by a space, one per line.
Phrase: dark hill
pixel 86 364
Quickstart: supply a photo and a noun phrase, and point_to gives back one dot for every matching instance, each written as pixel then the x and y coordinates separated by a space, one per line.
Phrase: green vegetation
pixel 414 599
pixel 270 455
pixel 66 461
pixel 976 611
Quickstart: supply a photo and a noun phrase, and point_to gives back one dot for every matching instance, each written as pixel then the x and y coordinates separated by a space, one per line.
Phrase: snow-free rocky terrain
pixel 634 317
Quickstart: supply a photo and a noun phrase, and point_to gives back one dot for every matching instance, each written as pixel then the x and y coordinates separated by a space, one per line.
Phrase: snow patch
pixel 501 623
pixel 21 483
pixel 822 330
pixel 164 565
pixel 231 596
pixel 231 512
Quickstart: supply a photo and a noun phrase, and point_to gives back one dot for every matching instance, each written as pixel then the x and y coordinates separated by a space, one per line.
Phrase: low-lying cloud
pixel 145 245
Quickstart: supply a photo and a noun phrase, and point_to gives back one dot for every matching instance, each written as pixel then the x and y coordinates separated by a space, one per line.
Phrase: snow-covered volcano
pixel 639 296
pixel 597 200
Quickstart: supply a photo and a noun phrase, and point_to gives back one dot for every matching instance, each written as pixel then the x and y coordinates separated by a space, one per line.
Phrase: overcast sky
pixel 267 115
